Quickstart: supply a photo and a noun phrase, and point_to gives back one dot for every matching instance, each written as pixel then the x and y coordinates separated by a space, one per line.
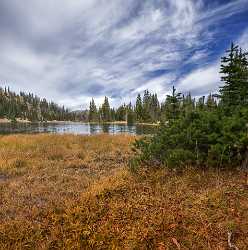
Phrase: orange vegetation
pixel 77 192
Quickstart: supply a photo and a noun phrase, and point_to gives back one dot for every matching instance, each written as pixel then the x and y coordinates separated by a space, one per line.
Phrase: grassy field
pixel 76 192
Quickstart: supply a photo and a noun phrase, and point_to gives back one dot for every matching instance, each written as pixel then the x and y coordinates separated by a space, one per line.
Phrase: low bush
pixel 200 138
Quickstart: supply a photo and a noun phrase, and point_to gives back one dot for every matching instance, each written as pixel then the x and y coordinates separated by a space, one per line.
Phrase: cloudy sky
pixel 71 50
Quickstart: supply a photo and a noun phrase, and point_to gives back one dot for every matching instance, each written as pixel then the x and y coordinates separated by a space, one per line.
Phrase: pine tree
pixel 146 106
pixel 139 108
pixel 154 108
pixel 200 105
pixel 211 103
pixel 172 105
pixel 112 114
pixel 93 114
pixel 130 114
pixel 106 115
pixel 243 77
pixel 188 104
pixel 120 114
pixel 234 70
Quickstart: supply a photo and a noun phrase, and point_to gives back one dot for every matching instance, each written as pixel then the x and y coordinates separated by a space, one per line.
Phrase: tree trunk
pixel 245 166
pixel 245 162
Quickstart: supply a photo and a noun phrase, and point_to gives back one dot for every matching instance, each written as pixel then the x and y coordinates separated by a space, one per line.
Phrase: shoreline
pixel 18 120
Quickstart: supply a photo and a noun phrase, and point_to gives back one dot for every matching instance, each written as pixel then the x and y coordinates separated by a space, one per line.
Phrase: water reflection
pixel 75 128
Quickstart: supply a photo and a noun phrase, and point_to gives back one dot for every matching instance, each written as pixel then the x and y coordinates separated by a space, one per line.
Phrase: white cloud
pixel 201 81
pixel 243 41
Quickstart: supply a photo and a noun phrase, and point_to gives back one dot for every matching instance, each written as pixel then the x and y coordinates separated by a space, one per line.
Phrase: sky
pixel 69 51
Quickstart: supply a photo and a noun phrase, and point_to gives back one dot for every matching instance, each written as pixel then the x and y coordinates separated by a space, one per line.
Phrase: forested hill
pixel 31 107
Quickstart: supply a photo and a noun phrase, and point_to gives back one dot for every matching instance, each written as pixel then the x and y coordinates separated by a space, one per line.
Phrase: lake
pixel 75 128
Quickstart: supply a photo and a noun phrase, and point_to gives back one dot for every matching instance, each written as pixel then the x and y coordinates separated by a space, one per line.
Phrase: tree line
pixel 212 132
pixel 148 109
pixel 30 107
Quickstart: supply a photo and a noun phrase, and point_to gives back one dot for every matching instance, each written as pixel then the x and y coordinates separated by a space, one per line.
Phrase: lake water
pixel 75 128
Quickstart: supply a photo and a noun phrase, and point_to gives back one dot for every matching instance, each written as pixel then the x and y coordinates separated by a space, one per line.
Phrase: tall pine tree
pixel 234 70
pixel 105 111
pixel 139 108
pixel 93 114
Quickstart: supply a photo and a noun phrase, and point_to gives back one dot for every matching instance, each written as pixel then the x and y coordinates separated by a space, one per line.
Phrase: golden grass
pixel 76 192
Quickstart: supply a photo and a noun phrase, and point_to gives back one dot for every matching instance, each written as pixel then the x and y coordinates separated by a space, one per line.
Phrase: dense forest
pixel 209 132
pixel 29 107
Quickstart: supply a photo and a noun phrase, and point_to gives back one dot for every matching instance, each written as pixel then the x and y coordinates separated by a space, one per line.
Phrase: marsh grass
pixel 77 192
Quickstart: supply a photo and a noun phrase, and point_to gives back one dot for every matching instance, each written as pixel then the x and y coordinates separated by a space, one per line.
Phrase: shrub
pixel 200 138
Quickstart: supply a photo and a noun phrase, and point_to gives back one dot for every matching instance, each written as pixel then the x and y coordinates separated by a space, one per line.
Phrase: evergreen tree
pixel 234 70
pixel 188 104
pixel 243 77
pixel 154 108
pixel 93 114
pixel 120 114
pixel 139 108
pixel 172 105
pixel 211 103
pixel 146 106
pixel 200 105
pixel 112 114
pixel 105 111
pixel 130 114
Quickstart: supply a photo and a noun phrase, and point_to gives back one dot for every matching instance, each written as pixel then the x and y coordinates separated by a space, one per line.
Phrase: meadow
pixel 78 192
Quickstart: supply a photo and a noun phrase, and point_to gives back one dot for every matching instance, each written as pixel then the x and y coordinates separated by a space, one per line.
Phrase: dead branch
pixel 230 244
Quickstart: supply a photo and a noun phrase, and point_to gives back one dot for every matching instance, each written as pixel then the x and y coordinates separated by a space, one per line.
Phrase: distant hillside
pixel 31 107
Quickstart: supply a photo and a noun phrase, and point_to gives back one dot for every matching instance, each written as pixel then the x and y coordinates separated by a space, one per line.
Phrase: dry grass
pixel 76 192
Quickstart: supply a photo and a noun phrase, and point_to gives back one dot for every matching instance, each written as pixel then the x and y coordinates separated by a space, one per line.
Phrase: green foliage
pixel 146 109
pixel 179 157
pixel 235 78
pixel 139 108
pixel 105 112
pixel 120 114
pixel 201 138
pixel 130 115
pixel 93 113
pixel 172 105
pixel 205 133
